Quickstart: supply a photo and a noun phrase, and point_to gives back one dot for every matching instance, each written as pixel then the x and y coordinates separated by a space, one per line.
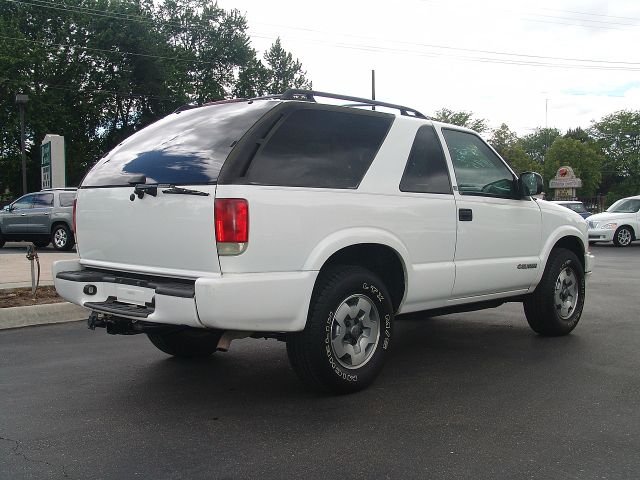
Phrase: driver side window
pixel 479 171
pixel 23 203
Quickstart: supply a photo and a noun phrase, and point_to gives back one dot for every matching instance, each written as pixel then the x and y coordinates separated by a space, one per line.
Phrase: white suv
pixel 315 224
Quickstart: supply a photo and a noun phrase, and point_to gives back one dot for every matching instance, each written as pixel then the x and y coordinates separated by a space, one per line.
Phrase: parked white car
pixel 314 224
pixel 620 223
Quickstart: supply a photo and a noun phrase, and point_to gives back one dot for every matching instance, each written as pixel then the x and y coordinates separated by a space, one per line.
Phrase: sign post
pixel 564 184
pixel 52 155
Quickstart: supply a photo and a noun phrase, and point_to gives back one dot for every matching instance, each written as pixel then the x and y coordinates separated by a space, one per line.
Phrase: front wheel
pixel 188 343
pixel 623 237
pixel 348 332
pixel 555 307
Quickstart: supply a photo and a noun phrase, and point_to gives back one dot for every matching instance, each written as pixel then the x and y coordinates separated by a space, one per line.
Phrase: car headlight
pixel 609 226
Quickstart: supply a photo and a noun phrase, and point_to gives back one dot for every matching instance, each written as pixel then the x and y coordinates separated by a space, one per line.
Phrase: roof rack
pixel 309 96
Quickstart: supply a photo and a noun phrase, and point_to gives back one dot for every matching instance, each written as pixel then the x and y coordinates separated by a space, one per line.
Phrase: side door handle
pixel 465 214
pixel 23 214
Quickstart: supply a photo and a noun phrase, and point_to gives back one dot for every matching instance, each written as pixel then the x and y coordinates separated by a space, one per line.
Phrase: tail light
pixel 75 230
pixel 232 225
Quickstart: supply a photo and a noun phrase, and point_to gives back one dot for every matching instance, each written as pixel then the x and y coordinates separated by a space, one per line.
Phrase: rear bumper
pixel 257 302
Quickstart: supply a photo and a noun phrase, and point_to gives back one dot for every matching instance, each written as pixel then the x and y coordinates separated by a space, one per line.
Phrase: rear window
pixel 320 148
pixel 185 148
pixel 66 199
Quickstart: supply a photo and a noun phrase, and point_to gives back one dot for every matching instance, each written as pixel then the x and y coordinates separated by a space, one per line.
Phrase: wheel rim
pixel 355 331
pixel 566 293
pixel 624 237
pixel 60 237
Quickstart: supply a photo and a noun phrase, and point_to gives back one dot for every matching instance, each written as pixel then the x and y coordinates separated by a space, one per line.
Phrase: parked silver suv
pixel 42 218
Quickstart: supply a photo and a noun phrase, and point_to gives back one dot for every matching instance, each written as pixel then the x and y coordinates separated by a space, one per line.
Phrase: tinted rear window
pixel 320 148
pixel 426 170
pixel 183 148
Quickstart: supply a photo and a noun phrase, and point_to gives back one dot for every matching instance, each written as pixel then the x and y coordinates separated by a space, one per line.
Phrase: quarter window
pixel 426 170
pixel 66 199
pixel 320 148
pixel 479 171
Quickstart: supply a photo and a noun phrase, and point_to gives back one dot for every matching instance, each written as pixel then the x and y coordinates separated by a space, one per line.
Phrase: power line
pixel 85 90
pixel 102 50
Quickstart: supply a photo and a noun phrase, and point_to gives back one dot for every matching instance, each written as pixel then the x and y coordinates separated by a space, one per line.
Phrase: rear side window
pixel 184 148
pixel 66 199
pixel 426 170
pixel 43 200
pixel 320 148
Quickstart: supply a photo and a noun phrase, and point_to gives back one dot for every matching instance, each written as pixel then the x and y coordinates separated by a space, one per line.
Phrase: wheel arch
pixel 381 259
pixel 571 239
pixel 55 223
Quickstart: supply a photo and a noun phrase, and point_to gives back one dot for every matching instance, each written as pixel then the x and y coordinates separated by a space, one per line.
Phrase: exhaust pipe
pixel 227 337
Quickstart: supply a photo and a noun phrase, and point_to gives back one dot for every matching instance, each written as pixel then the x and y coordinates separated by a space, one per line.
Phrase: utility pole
pixel 373 87
pixel 22 100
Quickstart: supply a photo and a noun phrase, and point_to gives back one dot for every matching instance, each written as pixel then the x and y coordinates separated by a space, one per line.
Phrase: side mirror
pixel 530 183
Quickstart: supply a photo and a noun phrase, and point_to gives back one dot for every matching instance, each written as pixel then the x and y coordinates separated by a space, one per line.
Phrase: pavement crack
pixel 16 451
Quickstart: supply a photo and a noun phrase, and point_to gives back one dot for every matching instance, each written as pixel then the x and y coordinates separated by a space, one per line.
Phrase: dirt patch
pixel 20 297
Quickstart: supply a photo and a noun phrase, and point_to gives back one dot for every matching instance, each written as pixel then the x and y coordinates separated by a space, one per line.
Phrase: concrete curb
pixel 15 317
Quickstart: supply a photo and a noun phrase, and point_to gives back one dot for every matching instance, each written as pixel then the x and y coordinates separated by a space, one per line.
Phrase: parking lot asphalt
pixel 475 395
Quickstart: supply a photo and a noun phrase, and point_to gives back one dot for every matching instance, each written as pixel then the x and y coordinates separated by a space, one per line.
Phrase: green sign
pixel 46 154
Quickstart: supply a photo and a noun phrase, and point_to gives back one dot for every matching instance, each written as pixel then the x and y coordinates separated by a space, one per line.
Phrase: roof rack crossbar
pixel 309 95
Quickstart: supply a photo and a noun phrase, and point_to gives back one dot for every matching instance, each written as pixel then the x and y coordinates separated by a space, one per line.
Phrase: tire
pixel 1 240
pixel 41 243
pixel 61 237
pixel 555 307
pixel 348 332
pixel 188 343
pixel 623 237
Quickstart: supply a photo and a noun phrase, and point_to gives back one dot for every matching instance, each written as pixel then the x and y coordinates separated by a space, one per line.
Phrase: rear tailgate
pixel 168 234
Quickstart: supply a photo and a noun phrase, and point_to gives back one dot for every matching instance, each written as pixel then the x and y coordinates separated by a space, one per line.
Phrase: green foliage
pixel 618 137
pixel 508 145
pixel 461 118
pixel 281 73
pixel 584 158
pixel 100 70
pixel 537 143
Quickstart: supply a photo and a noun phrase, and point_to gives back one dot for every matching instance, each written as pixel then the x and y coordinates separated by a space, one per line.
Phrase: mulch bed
pixel 20 297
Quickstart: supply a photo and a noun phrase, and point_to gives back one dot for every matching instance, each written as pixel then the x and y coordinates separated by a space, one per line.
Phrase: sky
pixel 556 63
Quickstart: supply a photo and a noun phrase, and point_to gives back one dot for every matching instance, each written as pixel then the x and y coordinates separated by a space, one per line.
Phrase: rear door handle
pixel 465 214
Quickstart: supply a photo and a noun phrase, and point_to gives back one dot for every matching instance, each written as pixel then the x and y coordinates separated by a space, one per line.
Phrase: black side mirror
pixel 530 183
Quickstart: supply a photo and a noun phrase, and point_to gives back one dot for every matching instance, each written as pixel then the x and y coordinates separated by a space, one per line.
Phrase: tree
pixel 537 143
pixel 99 70
pixel 461 118
pixel 507 144
pixel 618 137
pixel 584 158
pixel 285 71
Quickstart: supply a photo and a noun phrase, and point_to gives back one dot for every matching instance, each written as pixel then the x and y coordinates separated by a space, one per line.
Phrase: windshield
pixel 184 148
pixel 631 205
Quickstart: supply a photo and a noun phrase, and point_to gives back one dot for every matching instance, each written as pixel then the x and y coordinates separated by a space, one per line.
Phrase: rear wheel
pixel 623 237
pixel 188 343
pixel 555 307
pixel 61 237
pixel 1 240
pixel 348 332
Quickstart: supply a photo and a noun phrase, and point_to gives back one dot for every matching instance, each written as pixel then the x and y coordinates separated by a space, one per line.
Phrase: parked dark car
pixel 42 218
pixel 576 206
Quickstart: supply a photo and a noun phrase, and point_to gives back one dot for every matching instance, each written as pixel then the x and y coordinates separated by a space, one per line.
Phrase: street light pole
pixel 22 100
